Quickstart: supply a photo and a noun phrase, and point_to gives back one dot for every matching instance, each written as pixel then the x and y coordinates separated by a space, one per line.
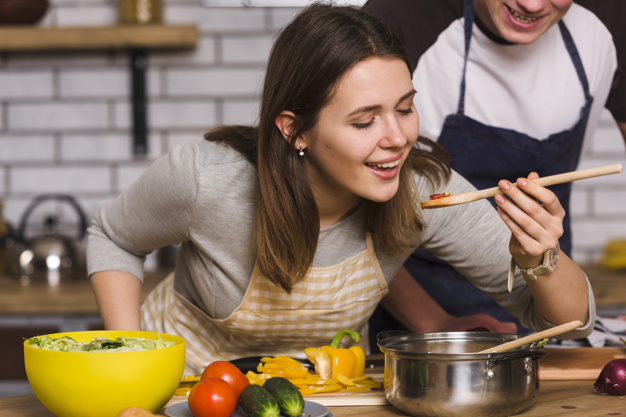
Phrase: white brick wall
pixel 599 204
pixel 65 116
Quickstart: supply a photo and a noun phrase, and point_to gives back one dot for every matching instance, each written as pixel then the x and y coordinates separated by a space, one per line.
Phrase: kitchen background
pixel 66 125
pixel 65 117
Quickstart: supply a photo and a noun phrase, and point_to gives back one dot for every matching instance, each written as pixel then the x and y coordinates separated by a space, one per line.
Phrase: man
pixel 508 87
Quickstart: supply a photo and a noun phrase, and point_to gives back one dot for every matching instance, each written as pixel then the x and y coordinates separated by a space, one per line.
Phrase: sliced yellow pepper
pixel 345 381
pixel 186 383
pixel 336 369
pixel 255 379
pixel 319 389
pixel 285 361
pixel 330 360
pixel 294 373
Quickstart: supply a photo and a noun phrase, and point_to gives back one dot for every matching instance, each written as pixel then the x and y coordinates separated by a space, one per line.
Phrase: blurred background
pixel 80 119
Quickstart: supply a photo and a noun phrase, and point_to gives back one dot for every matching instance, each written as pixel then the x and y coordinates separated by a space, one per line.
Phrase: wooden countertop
pixel 73 296
pixel 556 398
pixel 609 287
pixel 76 296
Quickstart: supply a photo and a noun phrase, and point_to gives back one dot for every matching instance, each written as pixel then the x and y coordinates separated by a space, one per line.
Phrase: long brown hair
pixel 307 60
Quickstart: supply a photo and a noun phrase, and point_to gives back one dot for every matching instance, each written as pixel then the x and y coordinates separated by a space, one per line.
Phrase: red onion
pixel 612 378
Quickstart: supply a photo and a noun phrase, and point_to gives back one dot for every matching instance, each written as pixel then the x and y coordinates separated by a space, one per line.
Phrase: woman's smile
pixel 386 169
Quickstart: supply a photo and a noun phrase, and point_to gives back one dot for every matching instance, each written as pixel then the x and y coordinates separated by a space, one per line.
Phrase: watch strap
pixel 546 267
pixel 512 266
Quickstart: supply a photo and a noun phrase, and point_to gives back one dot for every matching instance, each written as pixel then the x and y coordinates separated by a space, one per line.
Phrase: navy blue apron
pixel 486 154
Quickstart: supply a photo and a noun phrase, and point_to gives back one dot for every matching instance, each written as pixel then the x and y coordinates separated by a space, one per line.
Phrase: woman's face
pixel 520 21
pixel 363 134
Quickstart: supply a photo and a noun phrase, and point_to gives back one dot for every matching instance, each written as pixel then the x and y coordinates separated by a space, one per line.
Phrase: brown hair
pixel 307 60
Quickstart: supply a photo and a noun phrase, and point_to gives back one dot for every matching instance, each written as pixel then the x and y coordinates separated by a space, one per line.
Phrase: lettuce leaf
pixel 99 344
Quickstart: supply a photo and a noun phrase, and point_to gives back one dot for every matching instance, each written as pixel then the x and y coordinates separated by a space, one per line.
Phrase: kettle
pixel 50 255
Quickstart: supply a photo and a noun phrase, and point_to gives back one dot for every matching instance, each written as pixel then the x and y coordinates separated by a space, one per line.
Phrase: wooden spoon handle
pixel 535 337
pixel 543 181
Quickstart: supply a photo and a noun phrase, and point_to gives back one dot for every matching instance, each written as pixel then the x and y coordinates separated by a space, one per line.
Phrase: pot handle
pixel 38 200
pixel 533 354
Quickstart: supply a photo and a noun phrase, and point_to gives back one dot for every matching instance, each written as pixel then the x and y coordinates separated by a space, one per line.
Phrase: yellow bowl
pixel 101 384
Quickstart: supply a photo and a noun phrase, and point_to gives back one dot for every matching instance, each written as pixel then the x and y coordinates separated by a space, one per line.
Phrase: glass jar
pixel 141 11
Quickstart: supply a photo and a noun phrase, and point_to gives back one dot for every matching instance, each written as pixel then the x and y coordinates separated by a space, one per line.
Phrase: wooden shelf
pixel 17 38
pixel 136 39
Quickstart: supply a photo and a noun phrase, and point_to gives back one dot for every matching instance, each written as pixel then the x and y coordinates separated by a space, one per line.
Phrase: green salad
pixel 99 344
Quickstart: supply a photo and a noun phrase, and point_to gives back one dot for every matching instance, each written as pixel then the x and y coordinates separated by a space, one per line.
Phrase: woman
pixel 293 230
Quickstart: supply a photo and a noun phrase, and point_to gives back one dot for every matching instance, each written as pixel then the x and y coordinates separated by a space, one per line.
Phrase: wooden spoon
pixel 535 337
pixel 544 181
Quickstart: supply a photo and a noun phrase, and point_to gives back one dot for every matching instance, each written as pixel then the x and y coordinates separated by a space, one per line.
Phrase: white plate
pixel 311 409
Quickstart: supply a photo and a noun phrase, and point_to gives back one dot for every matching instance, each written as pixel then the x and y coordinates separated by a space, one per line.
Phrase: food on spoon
pixel 612 378
pixel 287 396
pixel 442 195
pixel 99 344
pixel 256 401
pixel 229 373
pixel 330 361
pixel 212 397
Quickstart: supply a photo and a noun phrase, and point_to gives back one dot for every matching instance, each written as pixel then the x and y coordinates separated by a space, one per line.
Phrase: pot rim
pixel 392 346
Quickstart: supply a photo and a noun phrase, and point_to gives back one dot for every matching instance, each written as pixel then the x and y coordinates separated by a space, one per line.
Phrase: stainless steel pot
pixel 437 375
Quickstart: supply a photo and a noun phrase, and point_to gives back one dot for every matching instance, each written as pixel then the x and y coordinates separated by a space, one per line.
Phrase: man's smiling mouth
pixel 521 18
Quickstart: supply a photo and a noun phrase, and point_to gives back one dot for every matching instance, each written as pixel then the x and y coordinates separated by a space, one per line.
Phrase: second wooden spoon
pixel 535 337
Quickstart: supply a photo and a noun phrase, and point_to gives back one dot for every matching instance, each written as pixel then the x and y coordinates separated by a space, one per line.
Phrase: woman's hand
pixel 535 216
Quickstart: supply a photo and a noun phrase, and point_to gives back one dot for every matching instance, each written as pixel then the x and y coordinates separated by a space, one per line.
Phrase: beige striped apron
pixel 269 321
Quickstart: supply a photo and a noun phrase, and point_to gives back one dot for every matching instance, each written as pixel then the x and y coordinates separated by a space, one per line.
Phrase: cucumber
pixel 287 395
pixel 256 401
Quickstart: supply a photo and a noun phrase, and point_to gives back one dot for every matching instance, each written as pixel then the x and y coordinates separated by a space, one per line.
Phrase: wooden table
pixel 556 398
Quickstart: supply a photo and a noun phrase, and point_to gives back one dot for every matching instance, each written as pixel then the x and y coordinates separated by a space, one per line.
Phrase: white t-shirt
pixel 533 89
pixel 522 94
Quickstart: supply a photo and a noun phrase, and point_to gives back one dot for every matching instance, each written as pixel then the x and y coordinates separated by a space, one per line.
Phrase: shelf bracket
pixel 139 108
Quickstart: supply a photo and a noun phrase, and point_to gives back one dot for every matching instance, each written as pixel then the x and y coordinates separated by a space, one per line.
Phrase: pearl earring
pixel 301 153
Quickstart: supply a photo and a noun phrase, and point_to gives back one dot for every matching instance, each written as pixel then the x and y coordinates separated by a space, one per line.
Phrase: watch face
pixel 554 256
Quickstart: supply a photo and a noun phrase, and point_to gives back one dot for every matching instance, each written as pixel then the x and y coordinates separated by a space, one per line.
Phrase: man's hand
pixel 482 322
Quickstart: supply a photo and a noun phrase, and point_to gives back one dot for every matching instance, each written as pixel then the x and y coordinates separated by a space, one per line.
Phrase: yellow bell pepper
pixel 330 361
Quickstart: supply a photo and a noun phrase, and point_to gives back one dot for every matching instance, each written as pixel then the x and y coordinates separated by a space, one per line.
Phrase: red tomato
pixel 229 373
pixel 212 397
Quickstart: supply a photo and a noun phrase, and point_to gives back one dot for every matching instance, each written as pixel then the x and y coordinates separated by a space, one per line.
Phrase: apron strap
pixel 573 53
pixel 469 23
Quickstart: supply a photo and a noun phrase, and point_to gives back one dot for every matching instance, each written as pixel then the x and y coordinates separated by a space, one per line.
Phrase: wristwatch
pixel 550 259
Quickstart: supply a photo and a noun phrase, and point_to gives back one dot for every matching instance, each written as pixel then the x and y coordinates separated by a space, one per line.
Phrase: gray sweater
pixel 202 196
